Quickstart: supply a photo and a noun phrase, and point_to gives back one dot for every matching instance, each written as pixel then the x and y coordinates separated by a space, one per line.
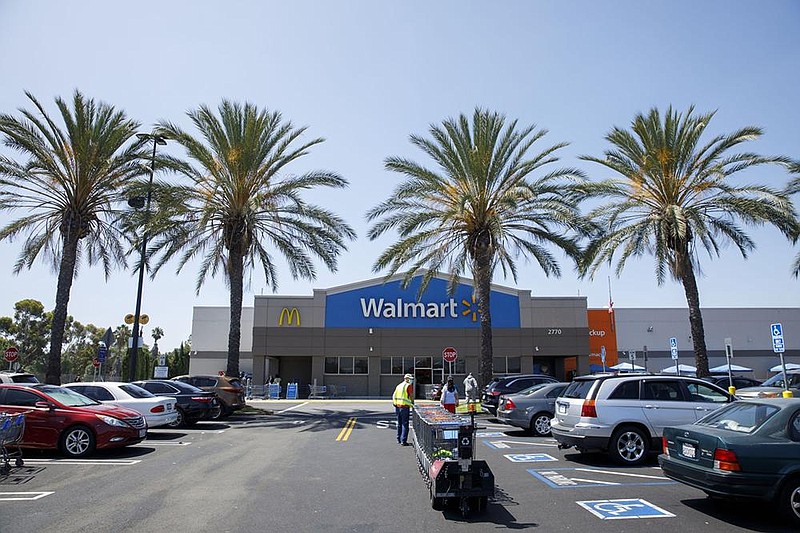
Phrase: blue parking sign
pixel 777 338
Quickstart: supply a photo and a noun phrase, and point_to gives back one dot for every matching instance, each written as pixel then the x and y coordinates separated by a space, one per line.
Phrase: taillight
pixel 157 409
pixel 664 447
pixel 588 409
pixel 509 405
pixel 726 460
pixel 203 399
pixel 495 393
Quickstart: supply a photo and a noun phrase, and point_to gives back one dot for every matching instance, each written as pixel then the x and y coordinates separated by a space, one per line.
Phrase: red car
pixel 58 418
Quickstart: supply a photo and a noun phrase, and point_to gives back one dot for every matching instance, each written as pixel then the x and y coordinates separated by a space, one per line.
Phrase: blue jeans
pixel 402 423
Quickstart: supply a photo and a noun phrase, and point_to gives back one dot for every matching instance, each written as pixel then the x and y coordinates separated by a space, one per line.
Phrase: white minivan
pixel 625 415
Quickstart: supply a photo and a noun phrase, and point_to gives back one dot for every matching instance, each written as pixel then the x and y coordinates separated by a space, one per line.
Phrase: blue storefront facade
pixel 361 338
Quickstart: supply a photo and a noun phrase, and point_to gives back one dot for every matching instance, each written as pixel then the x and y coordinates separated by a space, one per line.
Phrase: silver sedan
pixel 531 409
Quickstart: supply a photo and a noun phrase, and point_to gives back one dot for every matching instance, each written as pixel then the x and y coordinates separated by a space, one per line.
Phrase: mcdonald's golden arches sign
pixel 290 316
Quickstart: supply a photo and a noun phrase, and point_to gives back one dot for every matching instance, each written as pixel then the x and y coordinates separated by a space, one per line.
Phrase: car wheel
pixel 180 421
pixel 790 501
pixel 629 446
pixel 77 441
pixel 540 424
pixel 217 413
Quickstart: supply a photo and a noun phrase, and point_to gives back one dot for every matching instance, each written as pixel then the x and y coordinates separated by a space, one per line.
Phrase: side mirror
pixel 44 405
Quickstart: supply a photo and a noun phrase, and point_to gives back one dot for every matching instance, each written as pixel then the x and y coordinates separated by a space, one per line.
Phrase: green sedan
pixel 749 449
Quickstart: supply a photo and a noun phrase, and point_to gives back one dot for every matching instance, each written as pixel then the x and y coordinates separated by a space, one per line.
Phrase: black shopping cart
pixel 12 426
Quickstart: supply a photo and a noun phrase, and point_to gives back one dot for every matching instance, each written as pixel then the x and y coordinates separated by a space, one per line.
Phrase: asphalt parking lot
pixel 334 466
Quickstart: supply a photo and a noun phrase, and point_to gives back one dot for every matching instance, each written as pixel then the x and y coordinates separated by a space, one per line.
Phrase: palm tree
pixel 240 207
pixel 794 188
pixel 674 196
pixel 479 207
pixel 68 185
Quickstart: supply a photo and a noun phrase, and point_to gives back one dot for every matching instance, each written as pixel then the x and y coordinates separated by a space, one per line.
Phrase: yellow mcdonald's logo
pixel 289 316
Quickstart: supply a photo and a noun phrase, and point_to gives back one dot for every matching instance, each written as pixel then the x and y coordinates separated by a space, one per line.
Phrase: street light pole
pixel 134 350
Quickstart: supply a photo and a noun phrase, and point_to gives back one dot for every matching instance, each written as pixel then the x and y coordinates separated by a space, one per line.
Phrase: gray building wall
pixel 748 329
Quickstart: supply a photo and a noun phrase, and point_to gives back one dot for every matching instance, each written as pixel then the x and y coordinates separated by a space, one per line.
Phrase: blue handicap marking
pixel 673 342
pixel 490 434
pixel 777 330
pixel 529 457
pixel 623 509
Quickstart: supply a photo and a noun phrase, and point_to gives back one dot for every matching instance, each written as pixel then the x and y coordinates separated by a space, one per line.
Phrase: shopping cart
pixel 11 429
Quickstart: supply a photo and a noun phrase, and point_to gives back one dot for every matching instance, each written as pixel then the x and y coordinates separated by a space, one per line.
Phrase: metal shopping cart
pixel 12 426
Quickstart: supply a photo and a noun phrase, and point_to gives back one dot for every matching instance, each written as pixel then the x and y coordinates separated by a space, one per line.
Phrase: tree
pixel 480 207
pixel 794 188
pixel 28 330
pixel 239 208
pixel 674 195
pixel 67 184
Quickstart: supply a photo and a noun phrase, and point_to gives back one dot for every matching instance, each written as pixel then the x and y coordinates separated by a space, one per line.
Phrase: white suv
pixel 625 415
pixel 20 378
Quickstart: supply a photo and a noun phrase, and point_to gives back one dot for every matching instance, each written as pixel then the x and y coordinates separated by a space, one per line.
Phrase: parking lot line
pixel 81 462
pixel 22 496
pixel 617 473
pixel 344 434
pixel 293 407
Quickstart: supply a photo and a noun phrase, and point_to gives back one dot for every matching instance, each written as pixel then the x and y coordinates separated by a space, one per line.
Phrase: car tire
pixel 789 502
pixel 217 413
pixel 540 424
pixel 77 441
pixel 180 421
pixel 629 445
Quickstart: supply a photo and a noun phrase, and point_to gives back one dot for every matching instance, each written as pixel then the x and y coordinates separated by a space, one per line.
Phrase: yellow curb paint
pixel 344 434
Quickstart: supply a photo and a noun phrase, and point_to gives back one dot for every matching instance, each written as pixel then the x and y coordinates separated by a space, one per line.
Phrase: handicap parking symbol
pixel 624 509
pixel 529 457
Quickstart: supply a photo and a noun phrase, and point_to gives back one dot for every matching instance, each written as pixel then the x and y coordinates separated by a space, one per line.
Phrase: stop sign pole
pixel 450 355
pixel 11 355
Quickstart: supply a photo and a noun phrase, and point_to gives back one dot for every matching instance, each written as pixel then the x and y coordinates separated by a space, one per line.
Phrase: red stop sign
pixel 450 354
pixel 11 354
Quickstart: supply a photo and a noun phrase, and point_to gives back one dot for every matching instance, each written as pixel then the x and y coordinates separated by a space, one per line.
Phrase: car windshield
pixel 578 389
pixel 777 380
pixel 24 378
pixel 531 390
pixel 136 392
pixel 68 397
pixel 742 417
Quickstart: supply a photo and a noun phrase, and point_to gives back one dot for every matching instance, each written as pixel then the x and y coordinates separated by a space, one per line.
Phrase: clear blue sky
pixel 367 74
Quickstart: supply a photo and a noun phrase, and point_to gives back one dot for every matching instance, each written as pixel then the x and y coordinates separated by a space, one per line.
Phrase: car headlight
pixel 111 421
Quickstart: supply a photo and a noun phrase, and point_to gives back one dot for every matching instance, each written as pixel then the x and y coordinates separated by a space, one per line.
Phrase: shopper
pixel 471 388
pixel 449 398
pixel 403 400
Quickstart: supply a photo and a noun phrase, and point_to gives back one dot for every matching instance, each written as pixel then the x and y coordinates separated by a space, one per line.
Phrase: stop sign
pixel 11 354
pixel 450 354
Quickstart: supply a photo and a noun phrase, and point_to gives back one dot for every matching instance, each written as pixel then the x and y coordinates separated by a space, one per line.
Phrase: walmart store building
pixel 363 337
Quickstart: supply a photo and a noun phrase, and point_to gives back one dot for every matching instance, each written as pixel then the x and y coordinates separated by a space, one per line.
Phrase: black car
pixel 193 404
pixel 510 385
pixel 740 382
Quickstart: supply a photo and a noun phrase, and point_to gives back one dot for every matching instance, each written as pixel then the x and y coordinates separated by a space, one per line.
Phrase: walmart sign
pixel 390 306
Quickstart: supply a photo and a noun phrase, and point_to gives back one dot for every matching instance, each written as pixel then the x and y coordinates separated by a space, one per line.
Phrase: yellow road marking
pixel 344 434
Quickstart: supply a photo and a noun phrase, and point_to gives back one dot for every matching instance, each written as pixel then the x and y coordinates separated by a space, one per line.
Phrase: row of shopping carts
pixel 11 428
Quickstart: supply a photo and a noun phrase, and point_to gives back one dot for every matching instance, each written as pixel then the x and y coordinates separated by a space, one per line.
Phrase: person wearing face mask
pixel 403 400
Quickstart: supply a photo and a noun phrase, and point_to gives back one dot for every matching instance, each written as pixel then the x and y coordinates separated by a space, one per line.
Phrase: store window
pixel 346 365
pixel 397 365
pixel 507 365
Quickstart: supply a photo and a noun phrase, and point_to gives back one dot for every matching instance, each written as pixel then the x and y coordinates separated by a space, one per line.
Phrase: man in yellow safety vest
pixel 403 399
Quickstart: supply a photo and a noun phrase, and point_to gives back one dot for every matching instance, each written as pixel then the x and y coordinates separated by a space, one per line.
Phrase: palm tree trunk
pixel 695 317
pixel 66 273
pixel 483 283
pixel 236 282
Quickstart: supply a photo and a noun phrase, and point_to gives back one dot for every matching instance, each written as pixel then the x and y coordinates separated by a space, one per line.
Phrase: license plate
pixel 688 450
pixel 562 409
pixel 142 432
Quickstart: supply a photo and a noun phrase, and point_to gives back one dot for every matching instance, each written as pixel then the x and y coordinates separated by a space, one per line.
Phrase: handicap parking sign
pixel 777 338
pixel 529 457
pixel 623 509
